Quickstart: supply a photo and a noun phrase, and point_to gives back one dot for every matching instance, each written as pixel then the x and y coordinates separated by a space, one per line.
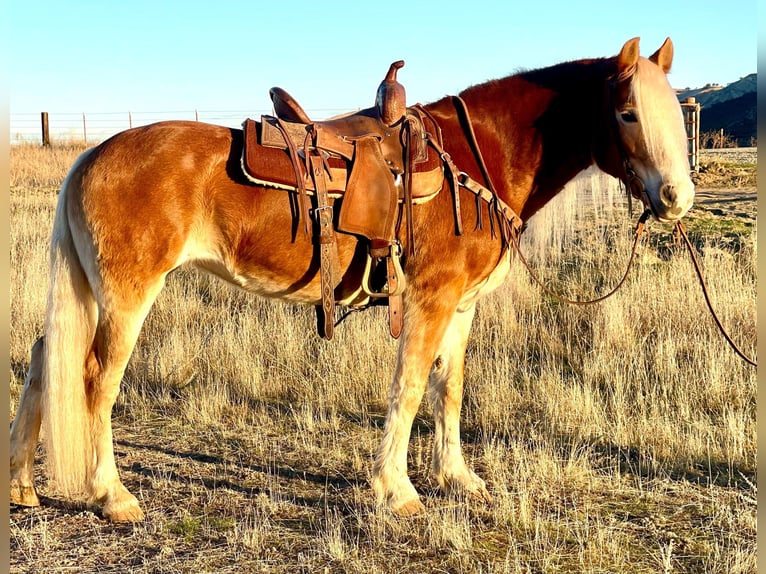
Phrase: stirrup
pixel 394 274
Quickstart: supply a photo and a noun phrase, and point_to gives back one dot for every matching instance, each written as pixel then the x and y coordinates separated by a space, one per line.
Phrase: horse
pixel 152 198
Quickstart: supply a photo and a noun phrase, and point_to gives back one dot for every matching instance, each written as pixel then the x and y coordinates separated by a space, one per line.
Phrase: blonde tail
pixel 69 331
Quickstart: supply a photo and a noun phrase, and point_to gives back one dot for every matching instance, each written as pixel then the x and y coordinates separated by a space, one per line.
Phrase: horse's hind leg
pixel 116 334
pixel 445 392
pixel 25 431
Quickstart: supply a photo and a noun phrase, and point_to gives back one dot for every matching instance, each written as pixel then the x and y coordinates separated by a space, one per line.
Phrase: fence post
pixel 45 130
pixel 691 111
pixel 84 130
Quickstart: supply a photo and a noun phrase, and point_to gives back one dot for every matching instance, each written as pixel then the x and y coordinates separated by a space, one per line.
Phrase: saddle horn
pixel 391 98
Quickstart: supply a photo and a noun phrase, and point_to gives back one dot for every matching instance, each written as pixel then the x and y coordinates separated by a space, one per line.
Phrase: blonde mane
pixel 659 113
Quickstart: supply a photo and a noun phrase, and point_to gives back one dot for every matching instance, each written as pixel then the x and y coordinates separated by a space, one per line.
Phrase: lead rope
pixel 638 232
pixel 681 230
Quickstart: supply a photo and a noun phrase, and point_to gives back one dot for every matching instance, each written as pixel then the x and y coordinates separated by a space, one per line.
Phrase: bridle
pixel 634 185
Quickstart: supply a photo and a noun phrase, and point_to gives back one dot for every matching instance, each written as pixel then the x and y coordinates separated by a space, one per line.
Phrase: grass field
pixel 619 437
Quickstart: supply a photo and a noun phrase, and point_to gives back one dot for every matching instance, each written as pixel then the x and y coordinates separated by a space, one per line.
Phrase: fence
pixel 91 128
pixel 95 127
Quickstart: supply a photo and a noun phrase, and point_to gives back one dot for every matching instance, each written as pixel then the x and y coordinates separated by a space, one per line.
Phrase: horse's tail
pixel 70 322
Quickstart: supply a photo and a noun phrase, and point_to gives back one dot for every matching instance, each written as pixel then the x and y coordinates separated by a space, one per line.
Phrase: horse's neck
pixel 536 129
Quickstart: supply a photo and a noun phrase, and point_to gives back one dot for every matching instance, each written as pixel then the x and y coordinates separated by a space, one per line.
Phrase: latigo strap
pixel 328 250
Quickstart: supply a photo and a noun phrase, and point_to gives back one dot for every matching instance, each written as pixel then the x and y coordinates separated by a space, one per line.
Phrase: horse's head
pixel 648 147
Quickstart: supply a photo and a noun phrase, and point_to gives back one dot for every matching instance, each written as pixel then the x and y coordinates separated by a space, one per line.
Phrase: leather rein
pixel 634 181
pixel 512 226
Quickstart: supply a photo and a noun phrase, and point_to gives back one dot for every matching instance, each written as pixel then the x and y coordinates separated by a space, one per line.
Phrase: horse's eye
pixel 628 116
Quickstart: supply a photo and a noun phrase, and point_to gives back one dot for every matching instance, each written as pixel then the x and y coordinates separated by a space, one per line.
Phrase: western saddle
pixel 376 159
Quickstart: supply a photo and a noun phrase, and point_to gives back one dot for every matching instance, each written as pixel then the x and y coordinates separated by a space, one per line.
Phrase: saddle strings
pixel 299 175
pixel 508 220
pixel 504 214
pixel 407 183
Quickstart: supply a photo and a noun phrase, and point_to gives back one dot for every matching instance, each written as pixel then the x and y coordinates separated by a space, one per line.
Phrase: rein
pixel 640 226
pixel 681 230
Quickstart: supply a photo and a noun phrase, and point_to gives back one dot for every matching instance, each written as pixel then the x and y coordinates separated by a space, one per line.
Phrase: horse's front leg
pixel 445 391
pixel 424 327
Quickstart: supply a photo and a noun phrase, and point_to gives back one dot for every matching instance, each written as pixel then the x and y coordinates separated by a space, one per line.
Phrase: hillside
pixel 731 108
pixel 736 117
pixel 712 94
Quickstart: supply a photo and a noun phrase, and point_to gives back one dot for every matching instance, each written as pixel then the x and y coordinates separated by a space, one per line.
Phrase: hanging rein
pixel 511 224
pixel 681 231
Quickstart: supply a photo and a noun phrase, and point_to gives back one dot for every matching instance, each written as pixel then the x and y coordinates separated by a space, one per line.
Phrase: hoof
pixel 409 508
pixel 400 497
pixel 24 495
pixel 121 506
pixel 467 484
pixel 124 513
pixel 481 495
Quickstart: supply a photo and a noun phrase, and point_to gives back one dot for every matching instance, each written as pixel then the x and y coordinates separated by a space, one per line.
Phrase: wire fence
pixel 91 128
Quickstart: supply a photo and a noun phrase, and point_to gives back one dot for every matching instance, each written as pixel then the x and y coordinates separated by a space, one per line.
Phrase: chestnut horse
pixel 152 198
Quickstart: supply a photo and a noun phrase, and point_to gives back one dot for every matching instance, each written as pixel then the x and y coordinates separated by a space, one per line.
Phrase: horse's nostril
pixel 668 195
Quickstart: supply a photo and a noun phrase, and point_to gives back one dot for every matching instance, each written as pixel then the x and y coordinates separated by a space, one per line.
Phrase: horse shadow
pixel 279 471
pixel 628 460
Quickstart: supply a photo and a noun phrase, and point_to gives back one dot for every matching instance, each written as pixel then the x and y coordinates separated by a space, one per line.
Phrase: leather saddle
pixel 377 159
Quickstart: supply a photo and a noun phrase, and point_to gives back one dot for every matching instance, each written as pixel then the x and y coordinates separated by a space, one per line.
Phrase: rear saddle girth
pixel 376 160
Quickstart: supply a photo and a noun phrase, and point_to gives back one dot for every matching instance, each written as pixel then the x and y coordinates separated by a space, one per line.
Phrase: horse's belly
pixel 284 282
pixel 286 270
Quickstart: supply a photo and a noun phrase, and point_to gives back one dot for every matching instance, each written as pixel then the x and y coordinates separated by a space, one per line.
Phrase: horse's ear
pixel 627 58
pixel 664 56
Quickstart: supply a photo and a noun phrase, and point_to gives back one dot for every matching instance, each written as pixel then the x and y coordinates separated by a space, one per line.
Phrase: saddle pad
pixel 272 166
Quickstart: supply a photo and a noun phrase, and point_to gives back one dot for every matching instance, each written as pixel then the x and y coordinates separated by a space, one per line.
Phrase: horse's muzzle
pixel 670 202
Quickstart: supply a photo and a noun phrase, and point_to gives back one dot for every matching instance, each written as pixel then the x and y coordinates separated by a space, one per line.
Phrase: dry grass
pixel 615 438
pixel 42 168
pixel 718 172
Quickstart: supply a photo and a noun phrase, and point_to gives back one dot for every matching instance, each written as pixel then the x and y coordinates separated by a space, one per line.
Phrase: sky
pixel 155 55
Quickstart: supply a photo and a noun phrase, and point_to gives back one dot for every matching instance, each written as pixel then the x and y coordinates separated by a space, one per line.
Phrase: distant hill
pixel 732 108
pixel 713 94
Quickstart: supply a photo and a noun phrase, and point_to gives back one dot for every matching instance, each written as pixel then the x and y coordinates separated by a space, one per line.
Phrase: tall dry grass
pixel 619 437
